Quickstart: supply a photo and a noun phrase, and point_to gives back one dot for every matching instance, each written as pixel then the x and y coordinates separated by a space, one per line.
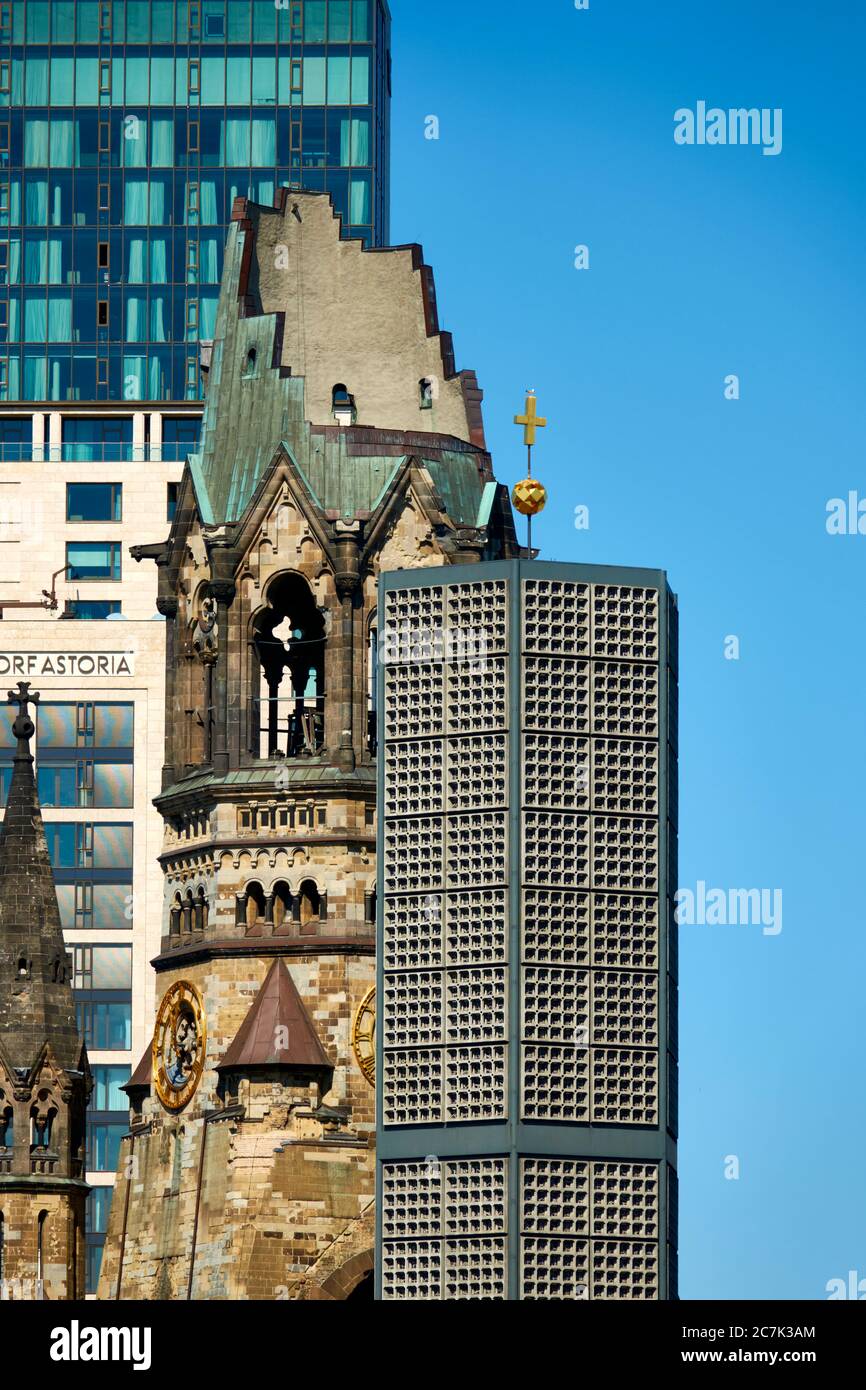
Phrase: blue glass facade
pixel 127 130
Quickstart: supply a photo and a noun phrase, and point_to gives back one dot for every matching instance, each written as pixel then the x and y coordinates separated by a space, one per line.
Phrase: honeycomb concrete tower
pixel 527 1098
pixel 44 1074
pixel 338 441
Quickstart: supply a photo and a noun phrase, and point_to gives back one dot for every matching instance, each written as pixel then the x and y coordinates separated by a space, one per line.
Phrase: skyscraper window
pixel 126 131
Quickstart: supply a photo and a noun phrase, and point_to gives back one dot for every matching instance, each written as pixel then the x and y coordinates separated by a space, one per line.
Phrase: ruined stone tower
pixel 338 441
pixel 44 1075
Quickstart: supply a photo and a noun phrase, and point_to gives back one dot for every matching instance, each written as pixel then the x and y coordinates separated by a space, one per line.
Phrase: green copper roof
pixel 251 409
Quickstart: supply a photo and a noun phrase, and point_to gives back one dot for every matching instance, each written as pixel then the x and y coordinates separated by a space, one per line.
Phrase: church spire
pixel 36 1002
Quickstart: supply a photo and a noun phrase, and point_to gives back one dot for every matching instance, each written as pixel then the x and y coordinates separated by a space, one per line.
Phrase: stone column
pixel 223 591
pixel 167 606
pixel 348 581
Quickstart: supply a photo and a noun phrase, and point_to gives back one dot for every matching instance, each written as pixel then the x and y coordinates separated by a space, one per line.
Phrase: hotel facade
pixel 127 131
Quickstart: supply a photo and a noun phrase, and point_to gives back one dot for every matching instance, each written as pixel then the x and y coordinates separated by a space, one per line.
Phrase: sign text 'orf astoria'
pixel 67 664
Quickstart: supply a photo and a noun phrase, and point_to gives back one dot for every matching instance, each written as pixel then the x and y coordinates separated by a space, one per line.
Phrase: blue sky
pixel 556 129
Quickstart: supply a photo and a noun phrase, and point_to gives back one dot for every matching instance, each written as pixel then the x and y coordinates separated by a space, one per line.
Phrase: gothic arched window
pixel 42 1116
pixel 201 910
pixel 343 405
pixel 373 690
pixel 310 903
pixel 289 698
pixel 6 1116
pixel 282 905
pixel 255 904
pixel 40 1240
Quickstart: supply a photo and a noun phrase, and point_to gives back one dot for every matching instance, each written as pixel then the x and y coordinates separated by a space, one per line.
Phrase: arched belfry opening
pixel 289 701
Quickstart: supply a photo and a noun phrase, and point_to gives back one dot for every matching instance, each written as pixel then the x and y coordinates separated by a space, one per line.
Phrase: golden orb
pixel 530 497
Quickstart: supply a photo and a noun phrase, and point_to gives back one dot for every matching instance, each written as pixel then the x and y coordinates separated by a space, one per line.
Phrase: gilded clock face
pixel 178 1045
pixel 364 1036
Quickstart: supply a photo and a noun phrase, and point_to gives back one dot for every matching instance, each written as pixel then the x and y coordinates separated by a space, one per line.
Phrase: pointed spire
pixel 277 1031
pixel 36 1003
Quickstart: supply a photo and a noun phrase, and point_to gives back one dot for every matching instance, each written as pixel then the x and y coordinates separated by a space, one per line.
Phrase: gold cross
pixel 531 420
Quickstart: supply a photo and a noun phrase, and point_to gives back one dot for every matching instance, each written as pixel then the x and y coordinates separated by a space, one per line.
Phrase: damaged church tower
pixel 338 441
pixel 45 1079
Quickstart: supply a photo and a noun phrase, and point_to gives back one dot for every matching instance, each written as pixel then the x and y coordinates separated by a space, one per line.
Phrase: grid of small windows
pixel 589 978
pixel 589 1230
pixel 122 149
pixel 449 1223
pixel 445 1026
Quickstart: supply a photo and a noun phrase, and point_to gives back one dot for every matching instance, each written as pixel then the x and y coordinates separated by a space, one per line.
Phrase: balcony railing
pixel 43 1161
pixel 74 452
pixel 286 728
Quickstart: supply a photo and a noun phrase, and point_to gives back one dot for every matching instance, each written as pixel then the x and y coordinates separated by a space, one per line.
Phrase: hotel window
pixel 6 19
pixel 194 77
pixel 85 783
pixel 108 1079
pixel 106 1024
pixel 111 784
pixel 89 561
pixel 104 137
pixel 180 437
pixel 4 262
pixel 102 313
pixel 97 439
pixel 95 906
pixel 5 75
pixel 104 1136
pixel 94 501
pixel 171 501
pixel 101 967
pixel 85 844
pixel 92 609
pixel 102 255
pixel 85 725
pixel 105 75
pixel 58 786
pixel 102 371
pixel 104 201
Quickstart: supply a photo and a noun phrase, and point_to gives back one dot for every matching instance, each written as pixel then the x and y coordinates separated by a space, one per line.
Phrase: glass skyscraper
pixel 127 130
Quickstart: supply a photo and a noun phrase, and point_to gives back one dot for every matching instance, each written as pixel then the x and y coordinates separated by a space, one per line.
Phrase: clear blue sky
pixel 556 128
